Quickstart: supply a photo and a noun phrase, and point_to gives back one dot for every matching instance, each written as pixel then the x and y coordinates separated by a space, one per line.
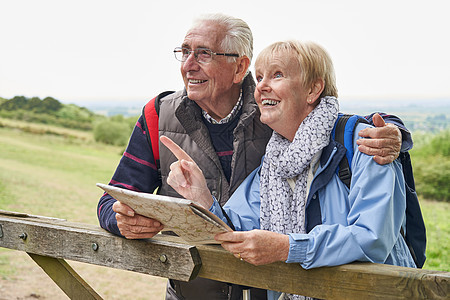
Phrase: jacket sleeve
pixel 407 142
pixel 136 171
pixel 361 227
pixel 243 206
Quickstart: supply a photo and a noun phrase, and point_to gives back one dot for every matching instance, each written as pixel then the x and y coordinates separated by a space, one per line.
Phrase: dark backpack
pixel 415 228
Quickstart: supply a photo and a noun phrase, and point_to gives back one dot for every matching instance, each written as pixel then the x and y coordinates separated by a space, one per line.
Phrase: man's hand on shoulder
pixel 135 226
pixel 385 141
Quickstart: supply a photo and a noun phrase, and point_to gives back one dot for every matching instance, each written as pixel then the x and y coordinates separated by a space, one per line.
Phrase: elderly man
pixel 216 121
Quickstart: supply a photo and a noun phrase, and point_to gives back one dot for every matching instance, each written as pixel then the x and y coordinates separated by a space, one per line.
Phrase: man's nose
pixel 190 64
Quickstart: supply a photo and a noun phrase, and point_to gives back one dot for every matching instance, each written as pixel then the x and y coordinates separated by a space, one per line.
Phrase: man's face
pixel 207 83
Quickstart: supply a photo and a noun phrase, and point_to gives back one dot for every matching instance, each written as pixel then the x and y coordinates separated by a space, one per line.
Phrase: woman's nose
pixel 263 85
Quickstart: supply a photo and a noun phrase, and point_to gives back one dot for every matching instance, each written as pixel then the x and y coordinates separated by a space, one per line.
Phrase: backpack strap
pixel 415 237
pixel 343 134
pixel 150 114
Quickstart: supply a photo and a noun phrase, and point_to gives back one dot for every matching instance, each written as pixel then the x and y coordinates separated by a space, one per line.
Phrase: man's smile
pixel 196 81
pixel 269 102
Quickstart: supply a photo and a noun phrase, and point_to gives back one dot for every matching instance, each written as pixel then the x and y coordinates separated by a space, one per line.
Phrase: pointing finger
pixel 174 148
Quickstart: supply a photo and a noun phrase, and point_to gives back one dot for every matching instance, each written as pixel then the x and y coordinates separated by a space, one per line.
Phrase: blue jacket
pixel 360 224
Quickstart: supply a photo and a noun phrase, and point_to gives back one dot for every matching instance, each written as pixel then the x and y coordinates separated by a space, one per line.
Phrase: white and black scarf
pixel 283 210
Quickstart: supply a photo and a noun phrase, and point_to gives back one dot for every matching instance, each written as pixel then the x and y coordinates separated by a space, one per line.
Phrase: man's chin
pixel 194 96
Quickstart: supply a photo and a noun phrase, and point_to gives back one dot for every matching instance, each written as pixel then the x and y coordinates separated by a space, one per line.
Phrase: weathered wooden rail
pixel 50 241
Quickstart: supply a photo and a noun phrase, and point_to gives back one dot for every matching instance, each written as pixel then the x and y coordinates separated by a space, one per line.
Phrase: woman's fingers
pixel 257 247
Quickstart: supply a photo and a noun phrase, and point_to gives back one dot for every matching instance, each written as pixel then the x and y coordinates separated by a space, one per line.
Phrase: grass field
pixel 437 223
pixel 55 175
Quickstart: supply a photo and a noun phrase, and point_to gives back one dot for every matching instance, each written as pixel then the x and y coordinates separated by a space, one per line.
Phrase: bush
pixel 432 176
pixel 431 163
pixel 74 112
pixel 113 133
pixel 441 143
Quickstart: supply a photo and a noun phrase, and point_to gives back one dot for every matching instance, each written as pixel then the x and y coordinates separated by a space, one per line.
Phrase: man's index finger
pixel 174 148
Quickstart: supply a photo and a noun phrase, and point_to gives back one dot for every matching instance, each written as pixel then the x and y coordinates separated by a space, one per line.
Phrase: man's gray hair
pixel 238 38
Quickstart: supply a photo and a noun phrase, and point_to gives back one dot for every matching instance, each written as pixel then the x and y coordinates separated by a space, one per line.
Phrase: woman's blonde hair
pixel 314 62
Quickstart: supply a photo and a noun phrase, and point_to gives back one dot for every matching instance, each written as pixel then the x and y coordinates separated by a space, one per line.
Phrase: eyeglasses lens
pixel 202 55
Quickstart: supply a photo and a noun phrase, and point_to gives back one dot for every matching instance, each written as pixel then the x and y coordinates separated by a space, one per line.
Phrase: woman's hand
pixel 185 177
pixel 385 141
pixel 258 247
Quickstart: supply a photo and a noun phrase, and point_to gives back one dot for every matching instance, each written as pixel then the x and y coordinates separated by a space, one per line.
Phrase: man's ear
pixel 315 91
pixel 243 63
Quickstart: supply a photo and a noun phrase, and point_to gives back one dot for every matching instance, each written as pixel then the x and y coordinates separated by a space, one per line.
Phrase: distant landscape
pixel 426 115
pixel 418 114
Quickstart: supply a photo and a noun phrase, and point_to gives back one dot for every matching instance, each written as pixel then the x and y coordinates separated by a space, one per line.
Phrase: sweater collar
pixel 229 117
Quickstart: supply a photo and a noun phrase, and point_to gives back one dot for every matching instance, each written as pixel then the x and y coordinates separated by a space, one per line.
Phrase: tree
pixel 50 105
pixel 16 103
pixel 34 103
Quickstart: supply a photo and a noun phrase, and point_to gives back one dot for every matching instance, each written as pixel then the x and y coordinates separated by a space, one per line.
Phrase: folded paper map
pixel 188 220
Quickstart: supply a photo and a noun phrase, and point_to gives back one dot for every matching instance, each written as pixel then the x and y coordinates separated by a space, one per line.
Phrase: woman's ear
pixel 243 63
pixel 316 90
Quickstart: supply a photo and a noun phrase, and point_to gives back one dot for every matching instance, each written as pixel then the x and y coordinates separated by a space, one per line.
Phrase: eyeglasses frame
pixel 195 51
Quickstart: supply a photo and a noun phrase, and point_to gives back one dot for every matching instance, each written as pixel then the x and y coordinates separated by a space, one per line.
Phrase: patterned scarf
pixel 283 210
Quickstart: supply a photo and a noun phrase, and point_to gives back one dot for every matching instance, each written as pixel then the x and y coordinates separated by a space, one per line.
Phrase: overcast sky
pixel 107 50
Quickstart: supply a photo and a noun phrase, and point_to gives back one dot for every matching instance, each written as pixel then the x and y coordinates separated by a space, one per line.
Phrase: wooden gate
pixel 49 241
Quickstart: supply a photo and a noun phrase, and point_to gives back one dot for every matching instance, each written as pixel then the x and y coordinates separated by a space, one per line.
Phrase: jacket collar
pixel 329 161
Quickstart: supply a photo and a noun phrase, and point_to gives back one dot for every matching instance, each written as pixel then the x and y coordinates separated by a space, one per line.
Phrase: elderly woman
pixel 296 94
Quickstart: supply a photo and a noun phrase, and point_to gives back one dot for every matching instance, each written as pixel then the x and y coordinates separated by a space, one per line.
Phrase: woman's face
pixel 280 94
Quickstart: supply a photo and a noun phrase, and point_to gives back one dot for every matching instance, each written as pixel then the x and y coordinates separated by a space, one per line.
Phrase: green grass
pixel 437 223
pixel 52 175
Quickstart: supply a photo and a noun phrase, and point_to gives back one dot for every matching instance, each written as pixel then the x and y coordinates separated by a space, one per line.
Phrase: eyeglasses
pixel 202 55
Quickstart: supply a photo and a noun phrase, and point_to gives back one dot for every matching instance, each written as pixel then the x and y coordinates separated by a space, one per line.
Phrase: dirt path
pixel 29 281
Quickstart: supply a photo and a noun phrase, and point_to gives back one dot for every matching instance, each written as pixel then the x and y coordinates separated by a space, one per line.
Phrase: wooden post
pixel 65 277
